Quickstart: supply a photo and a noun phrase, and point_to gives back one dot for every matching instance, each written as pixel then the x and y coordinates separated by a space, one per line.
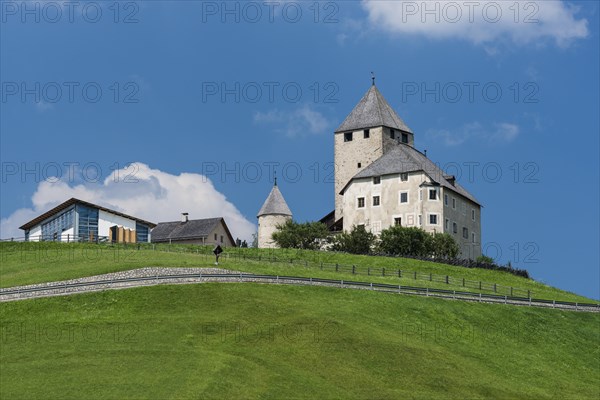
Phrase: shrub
pixel 357 241
pixel 293 235
pixel 402 241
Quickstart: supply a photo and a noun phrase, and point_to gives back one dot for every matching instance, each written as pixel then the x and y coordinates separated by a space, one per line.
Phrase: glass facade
pixel 142 232
pixel 87 223
pixel 54 228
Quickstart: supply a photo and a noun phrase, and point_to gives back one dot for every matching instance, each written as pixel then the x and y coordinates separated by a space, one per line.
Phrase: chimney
pixel 425 152
pixel 184 217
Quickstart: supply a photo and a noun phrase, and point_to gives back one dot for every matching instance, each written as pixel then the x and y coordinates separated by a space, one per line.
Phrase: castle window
pixel 392 134
pixel 446 199
pixel 473 214
pixel 359 165
pixel 473 237
pixel 447 224
pixel 215 237
pixel 404 138
pixel 404 176
pixel 465 233
pixel 348 137
pixel 403 197
pixel 433 219
pixel 454 204
pixel 376 180
pixel 432 194
pixel 361 202
pixel 221 238
pixel 367 133
pixel 454 227
pixel 420 220
pixel 376 201
pixel 397 221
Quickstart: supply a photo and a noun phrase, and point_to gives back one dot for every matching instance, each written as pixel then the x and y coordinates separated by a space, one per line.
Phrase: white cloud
pixel 148 193
pixel 499 133
pixel 480 22
pixel 299 122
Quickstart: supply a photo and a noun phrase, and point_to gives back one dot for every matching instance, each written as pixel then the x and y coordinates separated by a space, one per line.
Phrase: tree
pixel 399 240
pixel 357 241
pixel 293 235
pixel 485 259
pixel 442 245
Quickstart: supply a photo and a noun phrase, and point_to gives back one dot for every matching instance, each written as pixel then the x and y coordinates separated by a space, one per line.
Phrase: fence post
pixel 321 265
pixel 529 293
pixel 447 280
pixel 430 277
pixel 415 275
pixel 511 291
pixel 353 269
pixel 383 271
pixel 494 288
pixel 479 285
pixel 369 271
pixel 463 282
pixel 336 267
pixel 399 273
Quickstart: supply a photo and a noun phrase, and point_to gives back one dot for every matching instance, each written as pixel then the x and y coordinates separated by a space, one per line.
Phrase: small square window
pixel 404 197
pixel 398 221
pixel 376 180
pixel 376 201
pixel 454 227
pixel 404 176
pixel 433 219
pixel 432 194
pixel 465 233
pixel 359 165
pixel 367 133
pixel 404 138
pixel 392 134
pixel 221 238
pixel 348 137
pixel 361 202
pixel 215 236
pixel 361 226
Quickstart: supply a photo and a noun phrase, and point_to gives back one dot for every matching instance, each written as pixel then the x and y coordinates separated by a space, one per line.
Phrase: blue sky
pixel 205 99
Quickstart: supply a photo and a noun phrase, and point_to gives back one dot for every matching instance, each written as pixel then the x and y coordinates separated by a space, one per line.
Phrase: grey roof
pixel 373 110
pixel 275 204
pixel 192 229
pixel 404 158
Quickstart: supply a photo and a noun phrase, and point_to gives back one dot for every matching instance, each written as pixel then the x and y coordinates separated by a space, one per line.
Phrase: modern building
pixel 273 213
pixel 78 220
pixel 209 231
pixel 382 180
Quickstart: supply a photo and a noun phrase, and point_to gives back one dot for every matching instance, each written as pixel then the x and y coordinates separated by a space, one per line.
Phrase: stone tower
pixel 274 211
pixel 369 131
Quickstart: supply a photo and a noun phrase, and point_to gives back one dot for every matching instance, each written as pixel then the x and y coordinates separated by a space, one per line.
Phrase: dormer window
pixel 376 180
pixel 367 133
pixel 392 134
pixel 404 176
pixel 348 137
pixel 405 138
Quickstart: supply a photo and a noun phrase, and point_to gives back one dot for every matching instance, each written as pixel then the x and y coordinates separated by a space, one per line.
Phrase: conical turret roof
pixel 373 110
pixel 275 204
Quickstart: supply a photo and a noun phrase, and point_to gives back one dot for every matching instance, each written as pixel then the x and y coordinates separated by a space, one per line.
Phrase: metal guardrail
pixel 423 291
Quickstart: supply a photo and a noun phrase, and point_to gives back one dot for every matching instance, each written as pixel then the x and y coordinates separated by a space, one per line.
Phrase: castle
pixel 382 180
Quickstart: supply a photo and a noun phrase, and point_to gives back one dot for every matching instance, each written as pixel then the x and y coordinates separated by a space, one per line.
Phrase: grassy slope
pixel 27 263
pixel 325 343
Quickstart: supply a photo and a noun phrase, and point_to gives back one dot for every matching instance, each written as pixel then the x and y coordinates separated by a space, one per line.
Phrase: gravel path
pixel 152 276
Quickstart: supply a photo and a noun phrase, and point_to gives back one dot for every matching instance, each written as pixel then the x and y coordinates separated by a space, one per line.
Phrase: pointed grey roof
pixel 404 158
pixel 275 204
pixel 373 110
